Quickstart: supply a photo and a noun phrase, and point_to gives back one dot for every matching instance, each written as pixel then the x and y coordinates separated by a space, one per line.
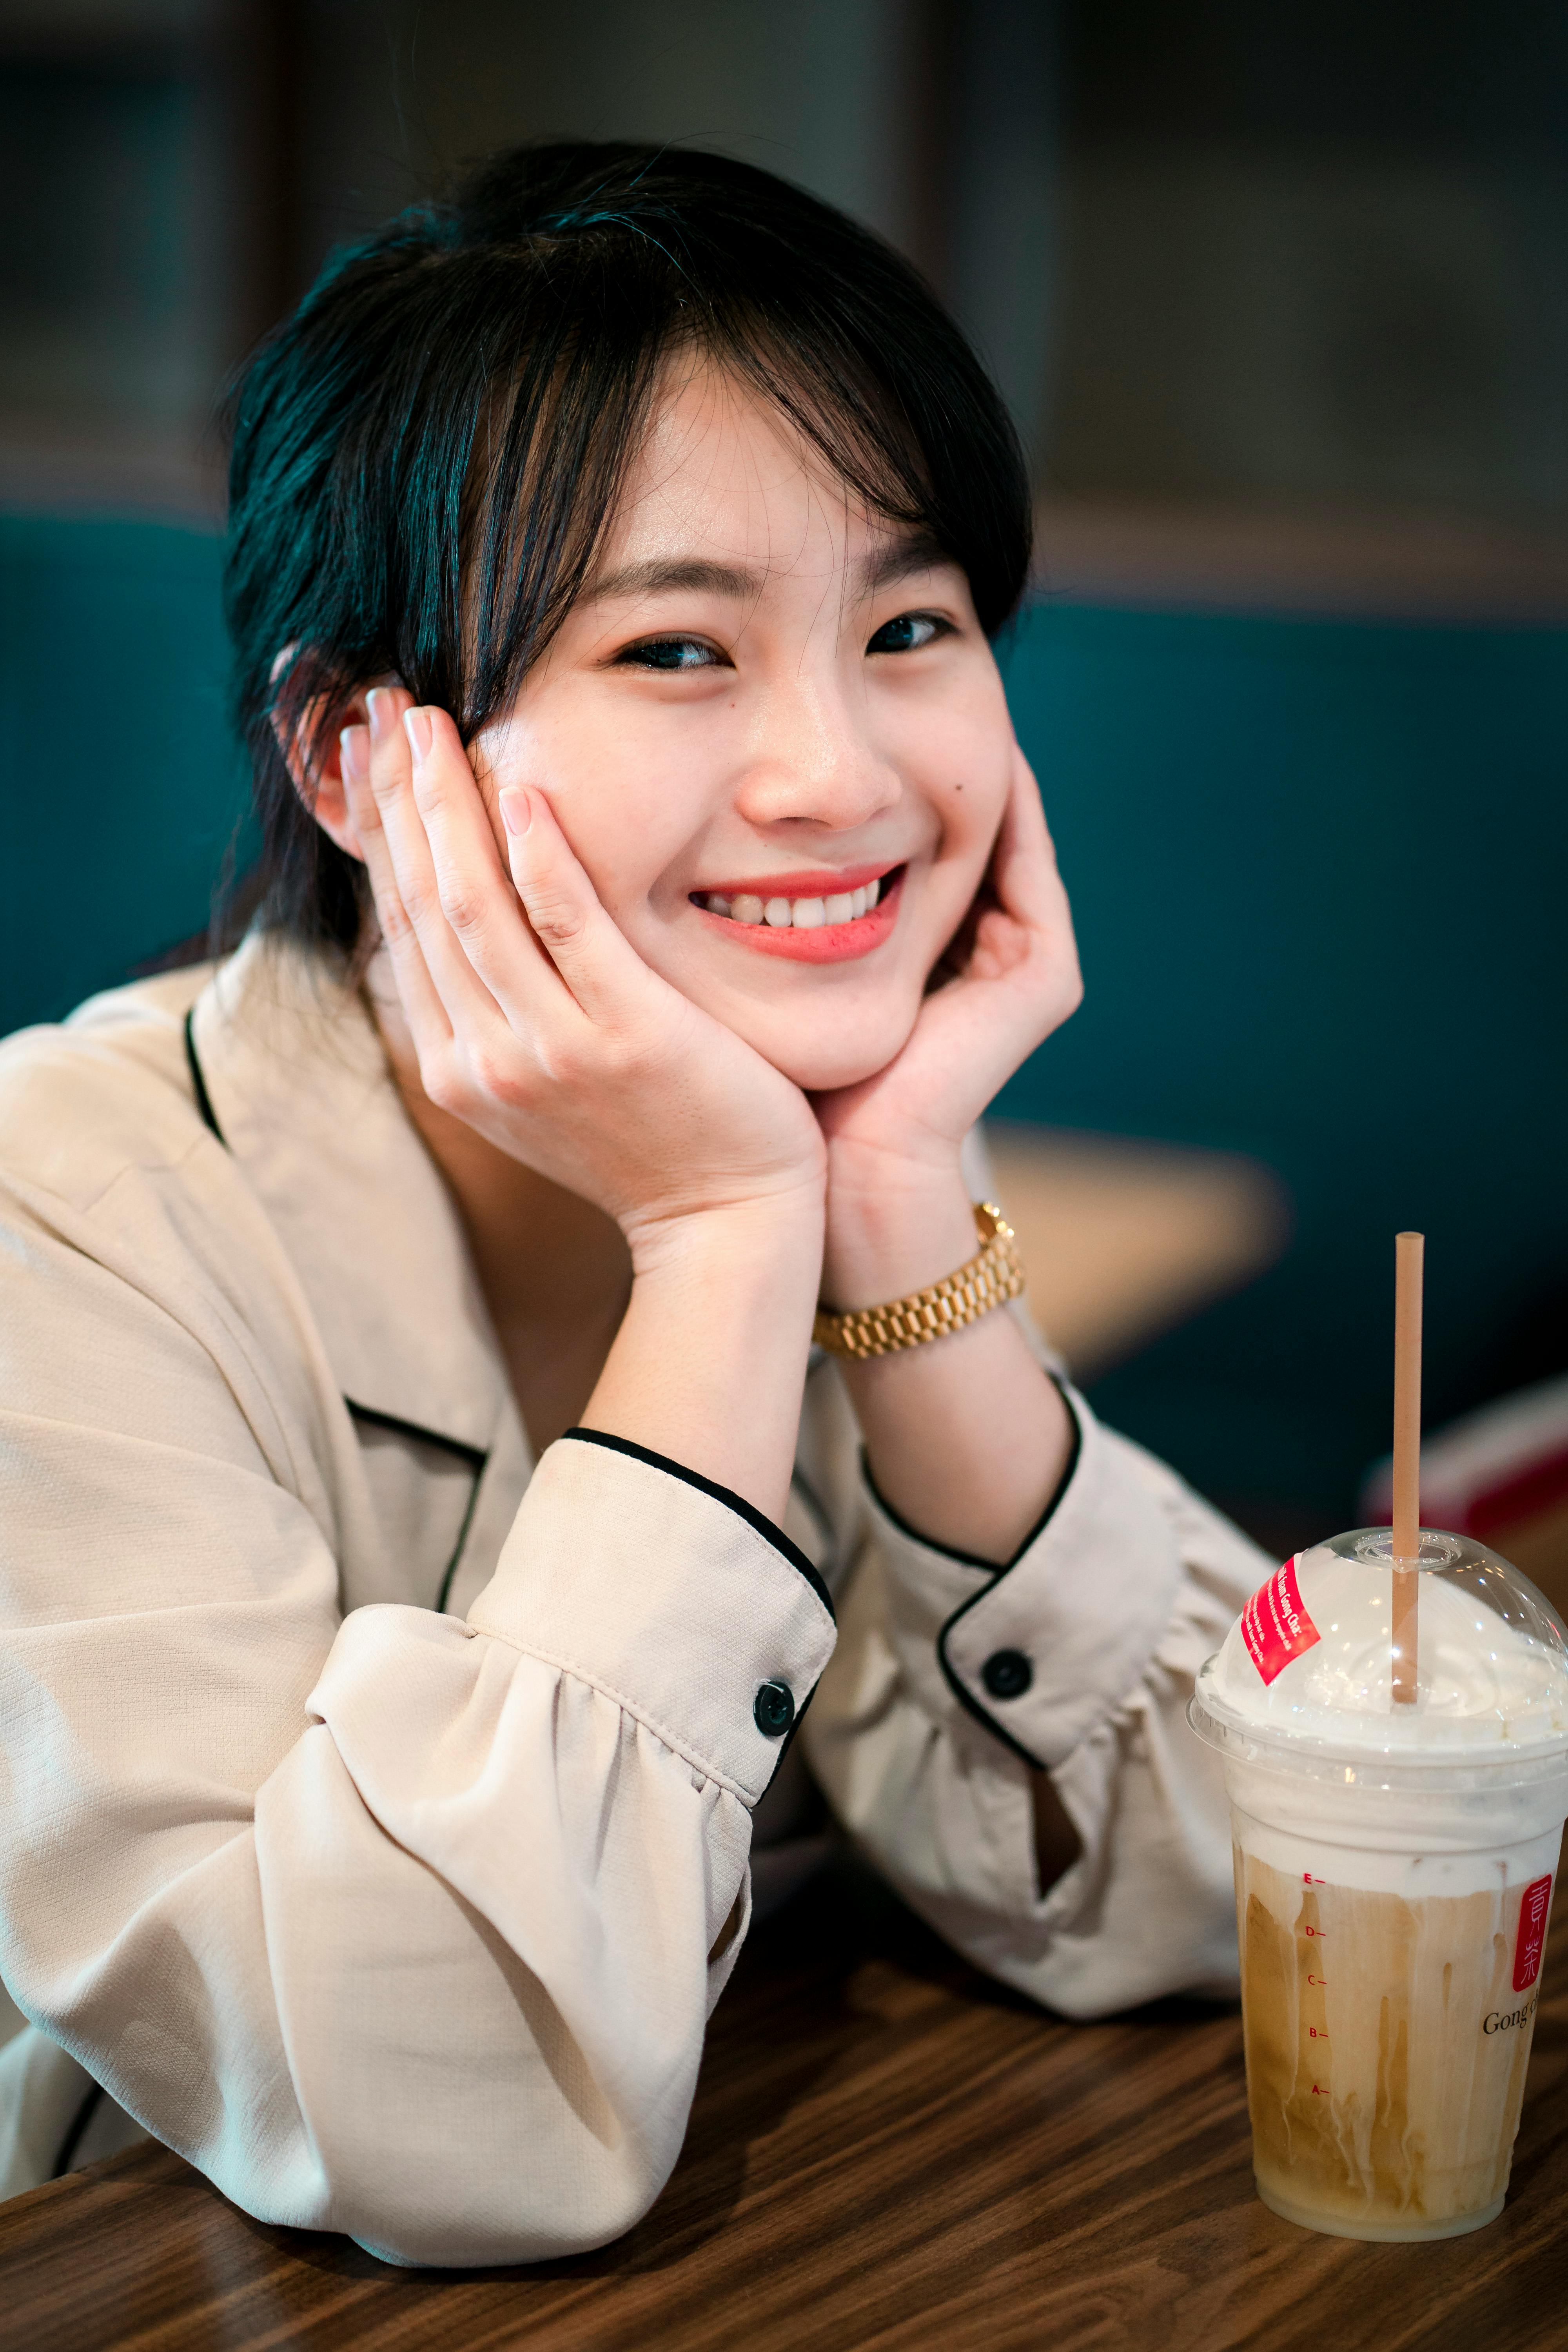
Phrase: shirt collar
pixel 302 1096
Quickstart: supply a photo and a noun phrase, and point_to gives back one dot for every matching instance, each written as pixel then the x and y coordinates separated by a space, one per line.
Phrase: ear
pixel 309 739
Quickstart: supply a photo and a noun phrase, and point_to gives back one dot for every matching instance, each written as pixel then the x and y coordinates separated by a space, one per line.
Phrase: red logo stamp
pixel 1535 1905
pixel 1275 1625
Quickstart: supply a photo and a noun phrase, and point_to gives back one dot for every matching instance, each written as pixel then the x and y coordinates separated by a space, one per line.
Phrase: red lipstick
pixel 830 943
pixel 807 883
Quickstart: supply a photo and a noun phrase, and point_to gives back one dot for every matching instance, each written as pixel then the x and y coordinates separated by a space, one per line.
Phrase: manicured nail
pixel 418 728
pixel 516 808
pixel 378 703
pixel 353 744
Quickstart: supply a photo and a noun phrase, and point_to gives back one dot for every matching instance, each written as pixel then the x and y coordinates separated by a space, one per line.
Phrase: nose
pixel 812 761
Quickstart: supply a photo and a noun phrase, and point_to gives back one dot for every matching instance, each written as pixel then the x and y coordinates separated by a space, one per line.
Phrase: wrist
pixel 755 1240
pixel 709 1363
pixel 896 1235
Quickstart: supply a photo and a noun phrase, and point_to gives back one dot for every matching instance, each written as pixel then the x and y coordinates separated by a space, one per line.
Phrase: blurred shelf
pixel 110 34
pixel 1124 1239
pixel 1289 561
pixel 52 470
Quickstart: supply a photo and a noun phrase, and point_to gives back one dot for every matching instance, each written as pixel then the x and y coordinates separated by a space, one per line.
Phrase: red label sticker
pixel 1275 1625
pixel 1534 1908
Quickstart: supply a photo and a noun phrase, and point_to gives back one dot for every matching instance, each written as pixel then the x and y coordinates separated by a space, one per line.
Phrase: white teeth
pixel 797 914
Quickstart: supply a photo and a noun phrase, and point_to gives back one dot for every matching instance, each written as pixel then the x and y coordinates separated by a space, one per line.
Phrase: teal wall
pixel 1319 872
pixel 119 788
pixel 1318 868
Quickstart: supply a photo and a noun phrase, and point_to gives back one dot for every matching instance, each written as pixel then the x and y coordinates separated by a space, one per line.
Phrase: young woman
pixel 425 1510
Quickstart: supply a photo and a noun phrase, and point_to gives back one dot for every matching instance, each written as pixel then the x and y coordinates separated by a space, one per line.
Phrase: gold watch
pixel 989 1279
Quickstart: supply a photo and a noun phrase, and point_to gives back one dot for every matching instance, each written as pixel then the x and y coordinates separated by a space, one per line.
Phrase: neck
pixel 554 1270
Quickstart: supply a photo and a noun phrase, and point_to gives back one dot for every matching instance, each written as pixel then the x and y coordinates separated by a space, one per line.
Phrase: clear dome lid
pixel 1309 1664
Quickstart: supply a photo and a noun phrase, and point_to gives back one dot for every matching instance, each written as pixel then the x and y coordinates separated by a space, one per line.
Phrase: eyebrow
pixel 901 558
pixel 894 559
pixel 691 572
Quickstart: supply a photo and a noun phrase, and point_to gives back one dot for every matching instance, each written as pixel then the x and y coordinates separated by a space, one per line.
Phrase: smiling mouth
pixel 806 926
pixel 809 911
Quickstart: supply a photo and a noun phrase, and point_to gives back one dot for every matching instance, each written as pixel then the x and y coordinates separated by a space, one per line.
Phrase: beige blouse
pixel 383 1809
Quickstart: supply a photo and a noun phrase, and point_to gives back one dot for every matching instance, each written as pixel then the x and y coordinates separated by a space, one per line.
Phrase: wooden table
pixel 886 2151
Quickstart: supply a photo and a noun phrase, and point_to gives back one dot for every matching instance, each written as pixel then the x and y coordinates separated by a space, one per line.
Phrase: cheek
pixel 622 817
pixel 956 749
pixel 967 782
pixel 972 803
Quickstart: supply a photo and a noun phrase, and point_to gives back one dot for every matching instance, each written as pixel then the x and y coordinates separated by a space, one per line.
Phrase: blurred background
pixel 1278 297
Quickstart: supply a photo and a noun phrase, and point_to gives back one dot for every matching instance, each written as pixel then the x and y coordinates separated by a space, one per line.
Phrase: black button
pixel 773 1709
pixel 1006 1674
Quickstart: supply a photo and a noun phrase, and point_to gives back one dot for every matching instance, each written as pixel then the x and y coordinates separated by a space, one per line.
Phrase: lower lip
pixel 830 943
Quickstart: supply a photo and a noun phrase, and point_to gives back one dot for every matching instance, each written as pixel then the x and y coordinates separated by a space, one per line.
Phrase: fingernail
pixel 378 703
pixel 353 744
pixel 516 808
pixel 418 728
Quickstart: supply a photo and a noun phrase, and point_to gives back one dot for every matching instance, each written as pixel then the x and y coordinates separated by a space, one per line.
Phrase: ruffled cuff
pixel 674 1597
pixel 1042 1649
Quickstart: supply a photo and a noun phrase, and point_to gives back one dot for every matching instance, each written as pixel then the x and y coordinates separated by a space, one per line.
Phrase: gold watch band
pixel 989 1279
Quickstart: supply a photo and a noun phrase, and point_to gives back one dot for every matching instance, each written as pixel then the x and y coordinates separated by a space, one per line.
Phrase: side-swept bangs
pixel 427 454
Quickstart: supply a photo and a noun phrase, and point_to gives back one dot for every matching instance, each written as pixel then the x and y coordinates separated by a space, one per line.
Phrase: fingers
pixel 427 1021
pixel 599 965
pixel 1027 882
pixel 415 901
pixel 466 912
pixel 1030 888
pixel 1022 940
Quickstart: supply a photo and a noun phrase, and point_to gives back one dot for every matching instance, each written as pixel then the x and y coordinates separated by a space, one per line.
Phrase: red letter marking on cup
pixel 1533 1906
pixel 1275 1625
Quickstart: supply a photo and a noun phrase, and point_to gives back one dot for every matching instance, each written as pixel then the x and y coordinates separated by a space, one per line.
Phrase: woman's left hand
pixel 896 1202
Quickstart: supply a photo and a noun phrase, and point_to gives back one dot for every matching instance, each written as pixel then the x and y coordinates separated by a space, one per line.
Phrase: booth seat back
pixel 121 788
pixel 1318 871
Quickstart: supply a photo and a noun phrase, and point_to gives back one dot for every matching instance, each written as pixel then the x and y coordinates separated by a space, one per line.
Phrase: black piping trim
pixel 948 1551
pixel 474 1456
pixel 970 1703
pixel 961 1692
pixel 442 1597
pixel 736 1503
pixel 76 2131
pixel 972 1559
pixel 788 1740
pixel 198 1083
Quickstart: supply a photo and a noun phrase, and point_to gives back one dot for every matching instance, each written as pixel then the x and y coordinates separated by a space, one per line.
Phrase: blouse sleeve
pixel 393 1924
pixel 956 1683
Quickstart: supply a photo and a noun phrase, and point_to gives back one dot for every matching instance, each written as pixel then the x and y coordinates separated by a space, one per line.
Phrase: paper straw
pixel 1409 1250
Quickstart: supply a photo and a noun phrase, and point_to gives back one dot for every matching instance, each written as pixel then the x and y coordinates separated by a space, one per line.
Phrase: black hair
pixel 425 454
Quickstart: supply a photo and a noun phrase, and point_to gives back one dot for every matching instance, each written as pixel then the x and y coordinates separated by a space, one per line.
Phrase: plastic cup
pixel 1394 1875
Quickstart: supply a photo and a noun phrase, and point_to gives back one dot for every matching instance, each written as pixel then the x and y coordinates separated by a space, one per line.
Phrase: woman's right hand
pixel 538 1023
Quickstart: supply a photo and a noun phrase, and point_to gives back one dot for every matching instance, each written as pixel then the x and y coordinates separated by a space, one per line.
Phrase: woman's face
pixel 769 699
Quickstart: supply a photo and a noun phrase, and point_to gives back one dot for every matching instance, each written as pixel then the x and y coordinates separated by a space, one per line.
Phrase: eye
pixel 670 653
pixel 909 633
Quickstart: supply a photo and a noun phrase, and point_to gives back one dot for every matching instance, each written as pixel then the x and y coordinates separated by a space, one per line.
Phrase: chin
pixel 820 1065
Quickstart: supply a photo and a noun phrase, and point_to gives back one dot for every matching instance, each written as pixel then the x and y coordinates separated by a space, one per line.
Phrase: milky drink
pixel 1387 2033
pixel 1393 1877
